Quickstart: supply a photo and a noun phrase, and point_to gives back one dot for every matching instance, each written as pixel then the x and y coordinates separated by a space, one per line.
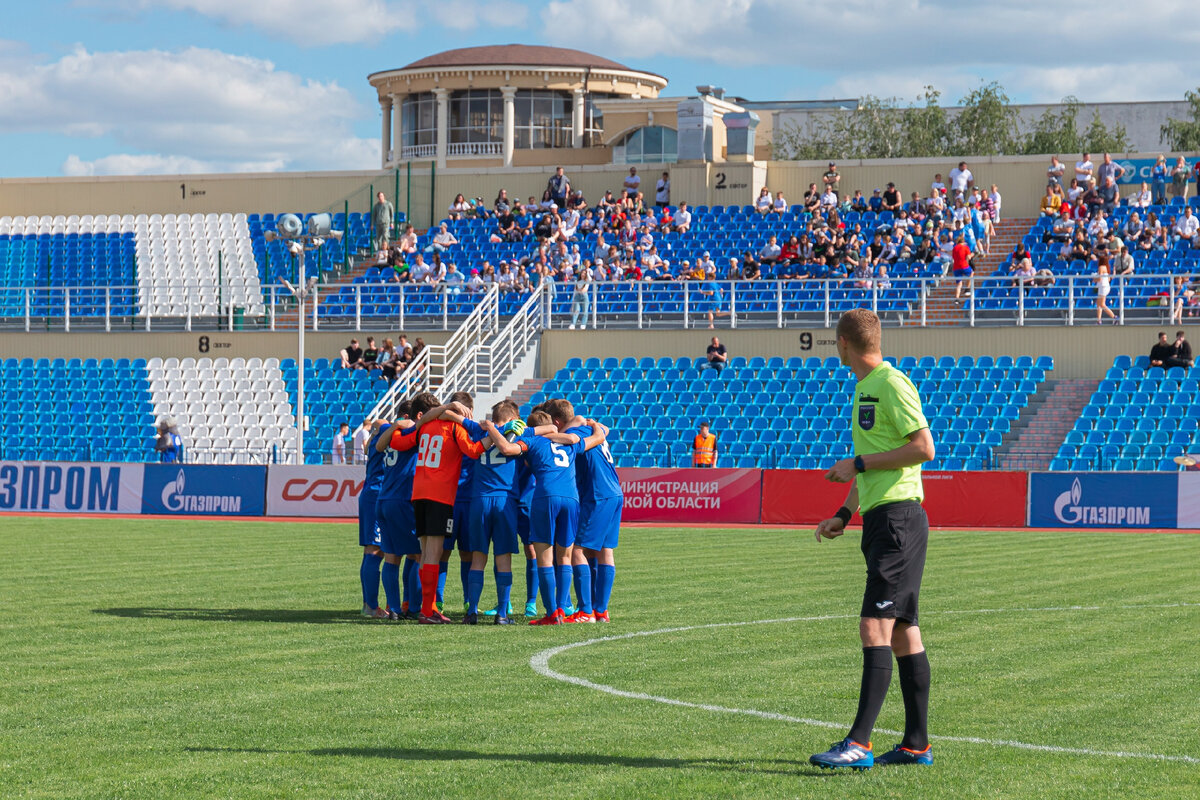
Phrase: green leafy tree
pixel 1056 131
pixel 925 129
pixel 1183 134
pixel 987 123
pixel 1099 138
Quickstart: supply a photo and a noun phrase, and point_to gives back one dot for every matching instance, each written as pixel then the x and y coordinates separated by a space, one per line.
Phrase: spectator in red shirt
pixel 960 261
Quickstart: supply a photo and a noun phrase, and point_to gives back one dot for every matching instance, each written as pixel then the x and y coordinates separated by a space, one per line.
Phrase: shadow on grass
pixel 320 616
pixel 789 768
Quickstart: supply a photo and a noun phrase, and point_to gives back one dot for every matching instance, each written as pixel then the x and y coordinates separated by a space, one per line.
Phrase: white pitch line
pixel 540 663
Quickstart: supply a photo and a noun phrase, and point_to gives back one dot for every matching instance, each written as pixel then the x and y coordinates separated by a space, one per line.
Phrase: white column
pixel 385 140
pixel 577 119
pixel 510 123
pixel 397 128
pixel 443 124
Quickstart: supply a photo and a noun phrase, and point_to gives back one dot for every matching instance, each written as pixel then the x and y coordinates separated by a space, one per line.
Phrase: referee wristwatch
pixel 859 465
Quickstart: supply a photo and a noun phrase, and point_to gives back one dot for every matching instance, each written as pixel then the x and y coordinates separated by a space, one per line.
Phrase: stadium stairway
pixel 528 389
pixel 1043 425
pixel 941 309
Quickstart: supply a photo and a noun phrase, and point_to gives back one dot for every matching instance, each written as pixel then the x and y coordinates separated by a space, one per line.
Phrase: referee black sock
pixel 876 675
pixel 914 684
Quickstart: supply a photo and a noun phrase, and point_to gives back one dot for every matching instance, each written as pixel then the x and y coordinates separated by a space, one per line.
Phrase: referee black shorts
pixel 893 541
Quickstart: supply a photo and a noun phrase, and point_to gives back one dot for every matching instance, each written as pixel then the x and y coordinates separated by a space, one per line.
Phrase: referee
pixel 892 440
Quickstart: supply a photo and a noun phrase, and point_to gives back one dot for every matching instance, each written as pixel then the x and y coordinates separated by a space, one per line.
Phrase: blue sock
pixel 390 575
pixel 368 576
pixel 474 589
pixel 546 581
pixel 464 570
pixel 441 590
pixel 412 584
pixel 583 587
pixel 605 574
pixel 531 580
pixel 563 576
pixel 592 564
pixel 503 592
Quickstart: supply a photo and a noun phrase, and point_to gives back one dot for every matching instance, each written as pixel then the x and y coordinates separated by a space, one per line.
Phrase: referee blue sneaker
pixel 846 753
pixel 906 755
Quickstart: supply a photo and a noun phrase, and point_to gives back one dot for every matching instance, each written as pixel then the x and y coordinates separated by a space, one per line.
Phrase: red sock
pixel 429 582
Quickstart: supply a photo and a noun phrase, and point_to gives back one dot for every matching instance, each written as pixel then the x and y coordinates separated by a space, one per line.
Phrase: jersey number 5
pixel 429 452
pixel 560 456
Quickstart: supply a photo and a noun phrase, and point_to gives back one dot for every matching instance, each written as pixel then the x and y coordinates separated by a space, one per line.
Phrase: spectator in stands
pixel 1109 169
pixel 1123 263
pixel 1162 351
pixel 383 215
pixel 780 206
pixel 1142 198
pixel 937 185
pixel 443 240
pixel 1081 249
pixel 829 200
pixel 1051 202
pixel 915 208
pixel 359 444
pixel 453 280
pixel 577 201
pixel 558 187
pixel 460 208
pixel 812 199
pixel 337 450
pixel 1075 192
pixel 1103 287
pixel 408 241
pixel 568 224
pixel 168 443
pixel 399 264
pixel 1187 227
pixel 1184 296
pixel 1055 172
pixel 862 274
pixel 994 199
pixel 419 271
pixel 1043 278
pixel 770 252
pixel 891 198
pixel 580 299
pixel 418 348
pixel 1181 353
pixel 1084 169
pixel 370 356
pixel 749 267
pixel 507 228
pixel 502 205
pixel 683 219
pixel 961 180
pixel 875 202
pixel 831 178
pixel 1110 195
pixel 763 204
pixel 1023 271
pixel 662 191
pixel 704 448
pixel 961 264
pixel 388 361
pixel 1097 229
pixel 1179 178
pixel 717 355
pixel 351 355
pixel 858 202
pixel 633 183
pixel 1158 181
pixel 935 206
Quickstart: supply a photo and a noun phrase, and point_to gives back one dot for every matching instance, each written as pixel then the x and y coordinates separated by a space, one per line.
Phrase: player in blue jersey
pixel 397 524
pixel 600 504
pixel 525 482
pixel 368 531
pixel 555 501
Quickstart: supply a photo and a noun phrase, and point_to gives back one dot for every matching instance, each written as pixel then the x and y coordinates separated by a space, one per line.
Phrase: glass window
pixel 418 115
pixel 651 145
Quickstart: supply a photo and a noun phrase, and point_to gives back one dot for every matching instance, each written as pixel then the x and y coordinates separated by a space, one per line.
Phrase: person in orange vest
pixel 704 448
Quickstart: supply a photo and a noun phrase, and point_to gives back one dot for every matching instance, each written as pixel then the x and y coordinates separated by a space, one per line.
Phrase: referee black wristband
pixel 844 515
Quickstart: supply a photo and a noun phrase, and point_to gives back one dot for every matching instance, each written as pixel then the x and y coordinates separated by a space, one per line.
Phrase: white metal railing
pixel 474 315
pixel 418 151
pixel 474 148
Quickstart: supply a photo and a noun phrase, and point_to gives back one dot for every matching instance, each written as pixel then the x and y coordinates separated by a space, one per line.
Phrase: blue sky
pixel 165 86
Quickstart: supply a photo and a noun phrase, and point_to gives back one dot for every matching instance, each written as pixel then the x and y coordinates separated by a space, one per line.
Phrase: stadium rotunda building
pixel 525 105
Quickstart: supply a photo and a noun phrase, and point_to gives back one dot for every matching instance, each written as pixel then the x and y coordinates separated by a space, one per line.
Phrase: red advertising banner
pixel 965 499
pixel 691 495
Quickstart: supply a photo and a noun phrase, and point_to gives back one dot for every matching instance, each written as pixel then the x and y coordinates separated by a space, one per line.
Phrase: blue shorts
pixel 523 522
pixel 494 522
pixel 368 530
pixel 397 528
pixel 600 523
pixel 462 529
pixel 553 520
pixel 963 273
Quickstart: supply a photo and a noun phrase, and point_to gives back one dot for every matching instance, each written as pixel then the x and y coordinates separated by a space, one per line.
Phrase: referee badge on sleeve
pixel 866 417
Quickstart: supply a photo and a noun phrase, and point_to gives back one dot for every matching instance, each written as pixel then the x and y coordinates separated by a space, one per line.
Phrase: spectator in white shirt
pixel 1141 198
pixel 569 224
pixel 706 263
pixel 780 206
pixel 338 449
pixel 475 282
pixel 829 199
pixel 436 272
pixel 361 437
pixel 1098 228
pixel 763 204
pixel 1083 169
pixel 683 219
pixel 1055 172
pixel 1187 226
pixel 961 179
pixel 633 182
pixel 419 271
pixel 442 240
pixel 662 191
pixel 937 185
pixel 770 251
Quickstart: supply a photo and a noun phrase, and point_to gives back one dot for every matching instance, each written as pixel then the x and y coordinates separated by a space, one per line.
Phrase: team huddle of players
pixel 436 479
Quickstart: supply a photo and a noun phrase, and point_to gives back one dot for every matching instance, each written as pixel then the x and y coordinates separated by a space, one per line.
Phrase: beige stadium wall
pixel 1084 351
pixel 1021 181
pixel 197 344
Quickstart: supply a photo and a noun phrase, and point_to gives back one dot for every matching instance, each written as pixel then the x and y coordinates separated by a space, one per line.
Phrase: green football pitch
pixel 181 659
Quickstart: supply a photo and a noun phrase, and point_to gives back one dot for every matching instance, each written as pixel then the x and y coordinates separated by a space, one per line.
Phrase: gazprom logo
pixel 174 499
pixel 1069 510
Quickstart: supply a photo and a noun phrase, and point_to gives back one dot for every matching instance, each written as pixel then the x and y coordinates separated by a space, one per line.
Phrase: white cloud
pixel 1098 49
pixel 193 110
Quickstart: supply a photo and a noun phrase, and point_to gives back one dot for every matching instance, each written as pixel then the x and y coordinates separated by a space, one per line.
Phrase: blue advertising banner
pixel 1137 170
pixel 209 489
pixel 1103 500
pixel 91 488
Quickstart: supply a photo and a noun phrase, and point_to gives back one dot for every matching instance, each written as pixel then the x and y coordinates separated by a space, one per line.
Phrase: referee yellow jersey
pixel 887 410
